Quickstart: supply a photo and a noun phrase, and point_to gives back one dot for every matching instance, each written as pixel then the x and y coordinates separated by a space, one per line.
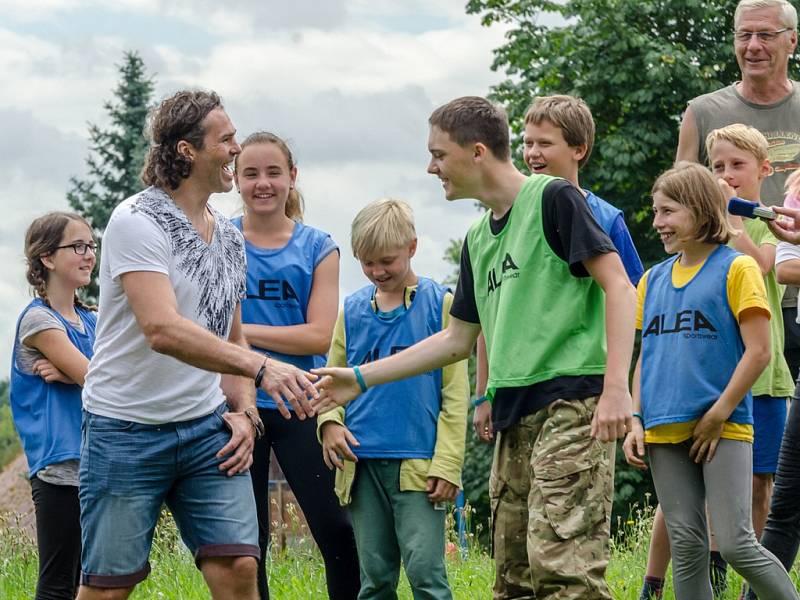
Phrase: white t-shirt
pixel 126 378
pixel 786 251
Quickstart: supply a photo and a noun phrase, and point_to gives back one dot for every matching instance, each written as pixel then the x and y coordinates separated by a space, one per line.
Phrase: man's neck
pixel 191 198
pixel 765 91
pixel 500 188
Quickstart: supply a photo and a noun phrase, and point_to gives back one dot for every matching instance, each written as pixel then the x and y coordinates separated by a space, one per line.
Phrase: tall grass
pixel 296 571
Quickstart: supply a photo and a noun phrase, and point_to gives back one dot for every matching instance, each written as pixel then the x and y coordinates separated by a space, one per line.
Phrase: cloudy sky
pixel 350 84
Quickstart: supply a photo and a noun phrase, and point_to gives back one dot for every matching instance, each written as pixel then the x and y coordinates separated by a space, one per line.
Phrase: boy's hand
pixel 727 191
pixel 633 446
pixel 482 422
pixel 49 372
pixel 337 386
pixel 612 418
pixel 441 490
pixel 282 380
pixel 706 436
pixel 336 442
pixel 786 229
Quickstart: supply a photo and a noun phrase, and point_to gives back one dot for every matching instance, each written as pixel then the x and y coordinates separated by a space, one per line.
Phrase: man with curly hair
pixel 161 425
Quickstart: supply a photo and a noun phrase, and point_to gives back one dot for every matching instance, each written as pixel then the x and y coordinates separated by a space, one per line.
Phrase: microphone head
pixel 742 208
pixel 750 210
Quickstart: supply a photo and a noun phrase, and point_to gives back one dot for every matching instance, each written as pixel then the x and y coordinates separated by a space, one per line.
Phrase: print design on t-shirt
pixel 214 273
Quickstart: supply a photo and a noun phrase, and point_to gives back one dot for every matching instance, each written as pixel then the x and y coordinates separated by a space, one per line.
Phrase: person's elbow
pixel 760 354
pixel 159 336
pixel 320 342
pixel 621 291
pixel 765 266
pixel 459 347
pixel 786 274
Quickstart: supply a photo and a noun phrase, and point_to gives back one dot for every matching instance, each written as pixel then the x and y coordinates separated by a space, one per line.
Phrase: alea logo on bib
pixel 276 290
pixel 508 265
pixel 692 323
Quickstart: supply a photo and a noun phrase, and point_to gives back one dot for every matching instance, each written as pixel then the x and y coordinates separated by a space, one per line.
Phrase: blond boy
pixel 399 447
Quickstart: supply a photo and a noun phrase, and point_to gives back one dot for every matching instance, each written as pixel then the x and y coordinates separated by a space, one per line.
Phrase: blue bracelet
pixel 639 416
pixel 360 379
pixel 479 400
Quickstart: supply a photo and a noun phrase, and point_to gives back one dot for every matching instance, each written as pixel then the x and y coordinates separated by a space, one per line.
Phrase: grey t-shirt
pixel 37 319
pixel 780 124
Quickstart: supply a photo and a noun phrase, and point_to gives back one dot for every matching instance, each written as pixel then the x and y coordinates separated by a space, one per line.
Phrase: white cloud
pixel 350 83
pixel 445 63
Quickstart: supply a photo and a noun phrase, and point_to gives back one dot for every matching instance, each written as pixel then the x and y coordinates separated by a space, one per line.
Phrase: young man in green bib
pixel 544 283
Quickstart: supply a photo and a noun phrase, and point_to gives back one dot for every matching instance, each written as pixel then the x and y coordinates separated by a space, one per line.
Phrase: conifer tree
pixel 116 152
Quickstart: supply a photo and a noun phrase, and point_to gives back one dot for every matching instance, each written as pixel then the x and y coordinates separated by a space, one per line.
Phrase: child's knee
pixel 422 574
pixel 688 542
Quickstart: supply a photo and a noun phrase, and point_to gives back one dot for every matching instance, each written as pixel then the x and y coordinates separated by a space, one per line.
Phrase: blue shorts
pixel 128 470
pixel 769 419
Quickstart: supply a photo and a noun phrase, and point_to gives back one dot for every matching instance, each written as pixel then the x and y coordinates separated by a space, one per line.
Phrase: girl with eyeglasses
pixel 52 347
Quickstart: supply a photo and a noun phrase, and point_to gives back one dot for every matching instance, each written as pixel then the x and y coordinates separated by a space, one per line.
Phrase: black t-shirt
pixel 574 235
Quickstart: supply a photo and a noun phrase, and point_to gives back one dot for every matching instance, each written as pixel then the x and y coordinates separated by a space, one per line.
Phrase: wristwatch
pixel 255 420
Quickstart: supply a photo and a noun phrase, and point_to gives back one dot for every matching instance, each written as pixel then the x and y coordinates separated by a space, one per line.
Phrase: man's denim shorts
pixel 128 470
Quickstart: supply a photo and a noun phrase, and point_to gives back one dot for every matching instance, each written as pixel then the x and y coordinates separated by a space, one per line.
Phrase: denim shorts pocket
pixel 118 454
pixel 100 424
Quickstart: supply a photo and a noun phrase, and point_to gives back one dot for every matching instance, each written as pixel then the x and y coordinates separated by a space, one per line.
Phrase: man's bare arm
pixel 155 307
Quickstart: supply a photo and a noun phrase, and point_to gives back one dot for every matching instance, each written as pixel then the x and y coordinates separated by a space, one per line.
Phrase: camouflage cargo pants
pixel 551 488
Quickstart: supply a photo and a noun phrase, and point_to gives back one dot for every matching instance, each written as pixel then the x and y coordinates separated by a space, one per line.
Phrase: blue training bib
pixel 48 415
pixel 279 286
pixel 691 343
pixel 398 419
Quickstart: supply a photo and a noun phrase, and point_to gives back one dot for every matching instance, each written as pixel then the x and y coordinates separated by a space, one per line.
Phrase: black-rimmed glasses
pixel 763 36
pixel 80 248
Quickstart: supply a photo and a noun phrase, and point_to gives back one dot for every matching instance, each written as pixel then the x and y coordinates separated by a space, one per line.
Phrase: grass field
pixel 296 573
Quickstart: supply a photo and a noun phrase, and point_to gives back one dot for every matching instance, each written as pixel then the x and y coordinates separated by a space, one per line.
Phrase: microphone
pixel 750 210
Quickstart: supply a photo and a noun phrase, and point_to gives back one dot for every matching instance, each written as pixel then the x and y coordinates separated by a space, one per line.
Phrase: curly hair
pixel 179 117
pixel 43 238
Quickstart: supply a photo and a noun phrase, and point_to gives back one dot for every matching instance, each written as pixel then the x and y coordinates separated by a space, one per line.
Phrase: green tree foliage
pixel 635 63
pixel 116 153
pixel 9 440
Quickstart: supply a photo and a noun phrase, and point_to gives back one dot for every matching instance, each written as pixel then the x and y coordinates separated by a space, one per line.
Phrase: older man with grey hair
pixel 765 36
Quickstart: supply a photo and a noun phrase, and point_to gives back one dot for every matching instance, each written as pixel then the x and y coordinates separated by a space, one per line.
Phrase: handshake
pixel 308 394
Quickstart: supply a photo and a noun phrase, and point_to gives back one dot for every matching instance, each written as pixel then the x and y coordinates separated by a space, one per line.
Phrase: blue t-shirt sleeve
pixel 621 237
pixel 325 246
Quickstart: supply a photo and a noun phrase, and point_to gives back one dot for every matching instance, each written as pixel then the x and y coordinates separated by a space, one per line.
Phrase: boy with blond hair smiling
pixel 398 448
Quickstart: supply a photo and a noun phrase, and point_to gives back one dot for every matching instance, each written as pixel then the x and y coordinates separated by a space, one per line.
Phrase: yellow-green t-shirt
pixel 776 379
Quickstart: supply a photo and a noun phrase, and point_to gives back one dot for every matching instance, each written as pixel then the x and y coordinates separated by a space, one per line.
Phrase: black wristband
pixel 260 375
